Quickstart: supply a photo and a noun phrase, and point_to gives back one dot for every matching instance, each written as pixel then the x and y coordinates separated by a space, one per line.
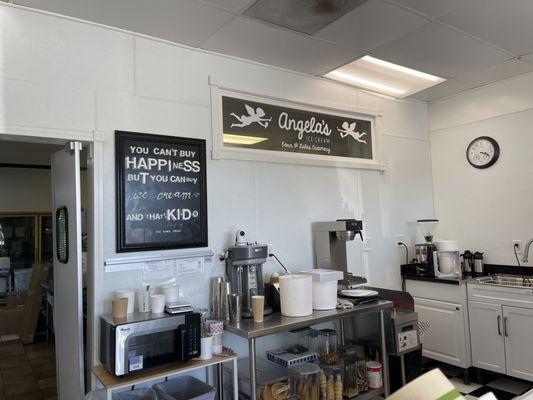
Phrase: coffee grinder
pixel 244 268
pixel 425 252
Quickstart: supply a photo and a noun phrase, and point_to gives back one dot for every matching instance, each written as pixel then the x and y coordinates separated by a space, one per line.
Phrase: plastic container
pixel 374 373
pixel 184 388
pixel 296 294
pixel 271 380
pixel 327 346
pixel 136 394
pixel 324 287
pixel 304 381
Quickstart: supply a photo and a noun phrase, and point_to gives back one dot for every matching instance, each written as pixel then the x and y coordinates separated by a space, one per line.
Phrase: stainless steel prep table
pixel 277 323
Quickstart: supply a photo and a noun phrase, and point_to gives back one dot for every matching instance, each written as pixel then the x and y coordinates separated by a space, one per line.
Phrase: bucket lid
pixel 324 275
pixel 305 369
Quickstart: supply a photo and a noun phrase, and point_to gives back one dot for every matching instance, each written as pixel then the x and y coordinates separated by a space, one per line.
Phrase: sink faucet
pixel 526 251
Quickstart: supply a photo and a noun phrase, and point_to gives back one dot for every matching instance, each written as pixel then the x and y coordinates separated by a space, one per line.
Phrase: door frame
pixel 95 140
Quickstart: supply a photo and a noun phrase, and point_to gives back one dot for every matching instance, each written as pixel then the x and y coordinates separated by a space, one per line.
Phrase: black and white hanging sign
pixel 263 126
pixel 161 192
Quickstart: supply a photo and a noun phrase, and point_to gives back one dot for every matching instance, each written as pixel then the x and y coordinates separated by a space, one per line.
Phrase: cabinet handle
pixel 499 327
pixel 505 331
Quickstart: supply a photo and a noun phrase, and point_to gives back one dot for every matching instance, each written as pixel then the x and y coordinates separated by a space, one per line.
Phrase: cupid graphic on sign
pixel 349 130
pixel 253 116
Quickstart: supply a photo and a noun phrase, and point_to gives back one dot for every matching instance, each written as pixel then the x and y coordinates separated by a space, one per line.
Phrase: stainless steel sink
pixel 502 280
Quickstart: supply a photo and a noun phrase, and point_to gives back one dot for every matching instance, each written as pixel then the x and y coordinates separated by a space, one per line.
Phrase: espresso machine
pixel 329 243
pixel 424 264
pixel 244 268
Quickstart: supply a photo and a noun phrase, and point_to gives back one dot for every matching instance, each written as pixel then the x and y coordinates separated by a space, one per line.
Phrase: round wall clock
pixel 483 152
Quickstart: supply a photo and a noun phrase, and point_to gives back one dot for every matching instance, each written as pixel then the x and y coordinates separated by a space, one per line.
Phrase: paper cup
pixel 127 294
pixel 258 306
pixel 171 292
pixel 120 308
pixel 157 303
pixel 206 348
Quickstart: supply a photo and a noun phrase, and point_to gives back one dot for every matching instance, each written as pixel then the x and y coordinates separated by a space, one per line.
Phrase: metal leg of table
pixel 109 394
pixel 384 354
pixel 207 380
pixel 251 357
pixel 402 366
pixel 220 384
pixel 235 380
pixel 341 326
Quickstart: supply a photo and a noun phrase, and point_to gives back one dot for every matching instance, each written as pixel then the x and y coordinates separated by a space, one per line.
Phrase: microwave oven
pixel 143 340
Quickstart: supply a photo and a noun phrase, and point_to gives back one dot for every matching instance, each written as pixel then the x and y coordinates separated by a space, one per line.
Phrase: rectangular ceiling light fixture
pixel 384 77
pixel 241 139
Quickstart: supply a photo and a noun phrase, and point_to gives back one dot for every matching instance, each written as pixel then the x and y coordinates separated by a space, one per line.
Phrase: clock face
pixel 483 152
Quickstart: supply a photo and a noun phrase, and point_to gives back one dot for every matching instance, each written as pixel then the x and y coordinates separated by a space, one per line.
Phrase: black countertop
pixel 449 281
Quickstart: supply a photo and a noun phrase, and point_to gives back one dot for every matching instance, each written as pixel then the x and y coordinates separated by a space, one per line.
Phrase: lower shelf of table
pixel 369 394
pixel 110 381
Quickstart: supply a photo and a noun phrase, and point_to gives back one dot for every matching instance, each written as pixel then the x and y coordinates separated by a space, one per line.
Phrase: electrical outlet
pixel 517 245
pixel 270 248
pixel 400 238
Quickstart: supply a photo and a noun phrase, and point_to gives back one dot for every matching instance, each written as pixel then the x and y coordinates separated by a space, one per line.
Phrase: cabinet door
pixel 445 337
pixel 517 329
pixel 486 336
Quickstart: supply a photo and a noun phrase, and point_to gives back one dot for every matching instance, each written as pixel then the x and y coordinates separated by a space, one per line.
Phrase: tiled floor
pixel 27 372
pixel 504 388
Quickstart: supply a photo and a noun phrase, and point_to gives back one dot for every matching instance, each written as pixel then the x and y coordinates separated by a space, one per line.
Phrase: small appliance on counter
pixel 143 340
pixel 424 264
pixel 447 259
pixel 244 267
pixel 479 266
pixel 329 245
pixel 473 263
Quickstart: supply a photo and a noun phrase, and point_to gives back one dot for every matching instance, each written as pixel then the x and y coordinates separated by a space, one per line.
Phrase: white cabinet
pixel 446 338
pixel 518 330
pixel 501 338
pixel 486 333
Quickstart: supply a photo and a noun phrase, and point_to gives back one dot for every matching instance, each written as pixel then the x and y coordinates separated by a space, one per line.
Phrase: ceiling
pixel 471 43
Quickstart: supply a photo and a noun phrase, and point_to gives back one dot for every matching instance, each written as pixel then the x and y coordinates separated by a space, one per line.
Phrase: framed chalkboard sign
pixel 161 195
pixel 259 128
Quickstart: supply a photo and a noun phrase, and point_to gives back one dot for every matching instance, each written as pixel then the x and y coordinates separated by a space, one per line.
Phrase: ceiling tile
pixel 507 24
pixel 252 40
pixel 433 8
pixel 498 72
pixel 371 25
pixel 440 51
pixel 185 21
pixel 235 6
pixel 443 89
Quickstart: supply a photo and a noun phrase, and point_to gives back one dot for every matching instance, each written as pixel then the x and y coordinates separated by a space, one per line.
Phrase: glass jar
pixel 327 353
pixel 304 381
pixel 349 356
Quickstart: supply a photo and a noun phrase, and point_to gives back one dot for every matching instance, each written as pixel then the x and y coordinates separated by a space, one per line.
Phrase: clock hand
pixel 485 153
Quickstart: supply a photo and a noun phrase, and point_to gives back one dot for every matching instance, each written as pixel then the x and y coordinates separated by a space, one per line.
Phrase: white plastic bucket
pixel 296 295
pixel 324 288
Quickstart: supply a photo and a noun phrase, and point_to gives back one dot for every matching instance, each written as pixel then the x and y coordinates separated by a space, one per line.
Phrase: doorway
pixel 30 313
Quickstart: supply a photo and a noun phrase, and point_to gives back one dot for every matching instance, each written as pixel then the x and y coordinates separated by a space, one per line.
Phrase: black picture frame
pixel 122 244
pixel 496 152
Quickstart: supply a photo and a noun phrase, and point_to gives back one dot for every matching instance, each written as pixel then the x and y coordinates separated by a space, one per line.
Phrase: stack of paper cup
pixel 171 292
pixel 127 294
pixel 157 303
pixel 216 328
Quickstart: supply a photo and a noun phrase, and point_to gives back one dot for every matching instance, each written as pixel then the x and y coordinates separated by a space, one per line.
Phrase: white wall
pixel 485 209
pixel 66 76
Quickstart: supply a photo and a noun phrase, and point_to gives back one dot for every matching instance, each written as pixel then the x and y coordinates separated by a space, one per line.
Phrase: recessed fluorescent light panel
pixel 241 139
pixel 384 77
